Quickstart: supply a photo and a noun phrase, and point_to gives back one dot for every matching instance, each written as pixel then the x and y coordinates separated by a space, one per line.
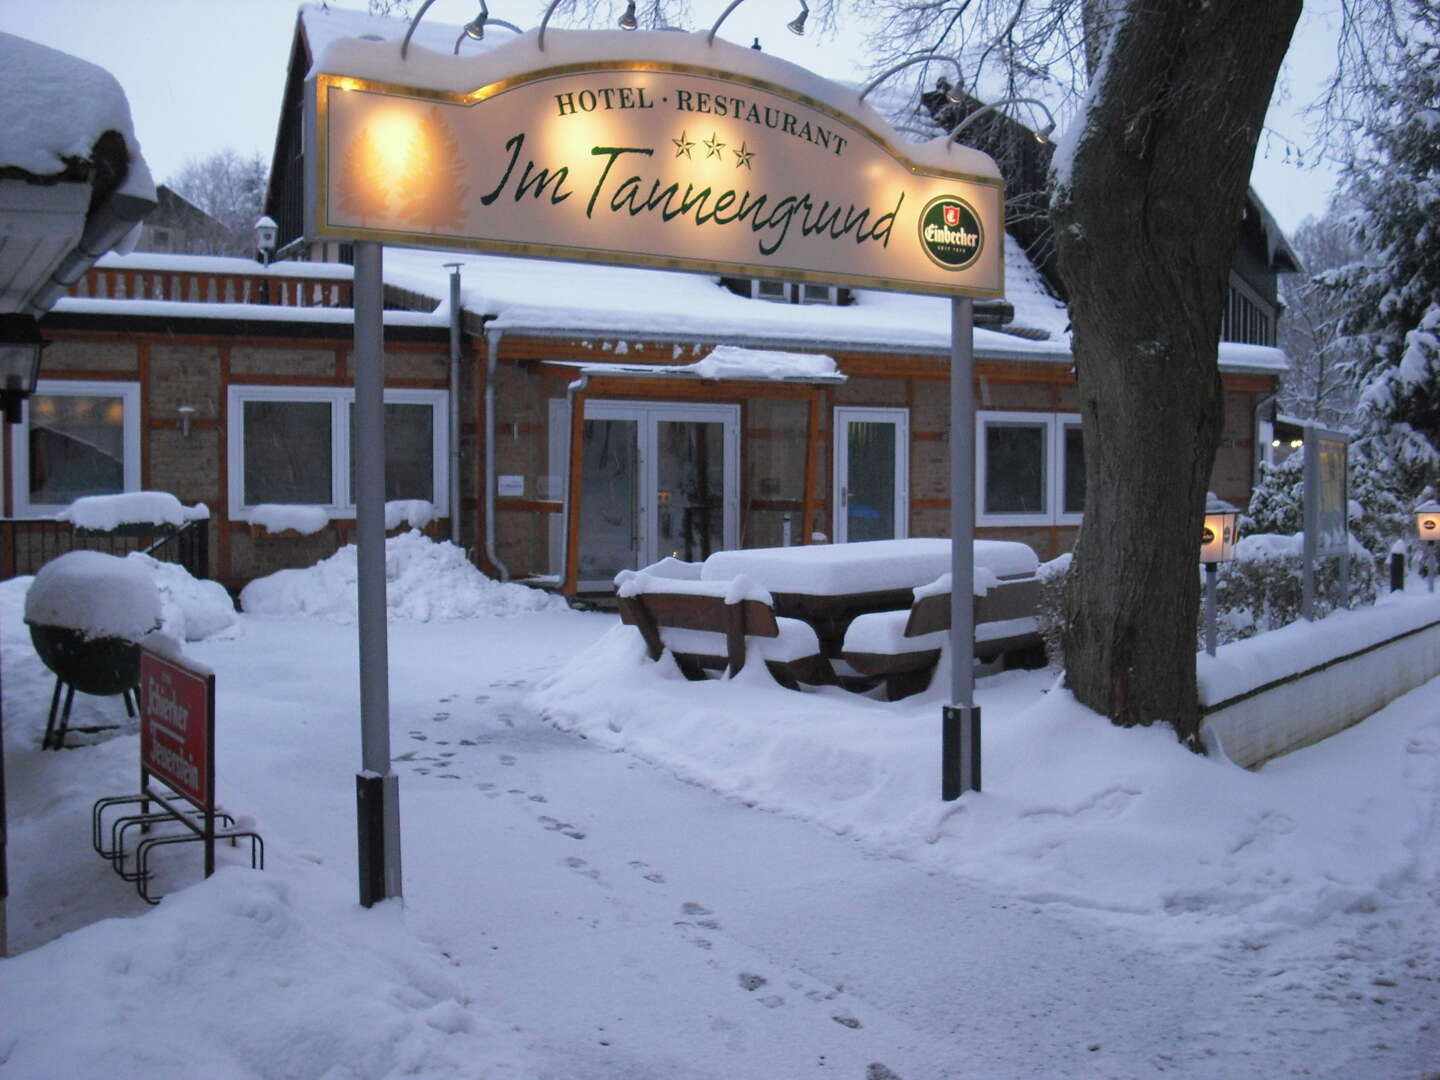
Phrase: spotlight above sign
pixel 645 149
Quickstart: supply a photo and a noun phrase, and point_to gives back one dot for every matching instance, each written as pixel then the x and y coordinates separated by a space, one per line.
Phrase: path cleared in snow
pixel 575 912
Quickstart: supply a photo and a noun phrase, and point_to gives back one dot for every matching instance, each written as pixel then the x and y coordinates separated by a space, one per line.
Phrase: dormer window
pixel 789 292
pixel 818 294
pixel 776 291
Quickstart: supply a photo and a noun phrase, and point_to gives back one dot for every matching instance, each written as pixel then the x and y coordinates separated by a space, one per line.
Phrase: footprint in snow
pixel 653 876
pixel 564 828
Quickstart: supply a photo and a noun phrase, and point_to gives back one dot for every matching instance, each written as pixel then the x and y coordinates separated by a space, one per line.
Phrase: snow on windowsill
pixel 108 512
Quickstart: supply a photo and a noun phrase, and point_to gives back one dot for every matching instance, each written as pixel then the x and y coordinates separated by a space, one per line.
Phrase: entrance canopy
pixel 647 149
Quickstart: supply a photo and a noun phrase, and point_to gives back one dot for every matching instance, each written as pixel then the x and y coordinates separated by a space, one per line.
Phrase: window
pixel 295 445
pixel 819 294
pixel 1031 468
pixel 77 438
pixel 778 291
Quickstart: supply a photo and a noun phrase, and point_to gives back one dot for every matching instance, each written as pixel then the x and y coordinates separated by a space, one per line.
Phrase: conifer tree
pixel 1394 291
pixel 435 191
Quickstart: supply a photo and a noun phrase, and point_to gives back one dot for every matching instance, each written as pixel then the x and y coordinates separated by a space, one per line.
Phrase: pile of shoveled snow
pixel 424 581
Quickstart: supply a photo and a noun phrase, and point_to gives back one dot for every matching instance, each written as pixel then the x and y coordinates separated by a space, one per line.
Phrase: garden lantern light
pixel 1427 528
pixel 1217 545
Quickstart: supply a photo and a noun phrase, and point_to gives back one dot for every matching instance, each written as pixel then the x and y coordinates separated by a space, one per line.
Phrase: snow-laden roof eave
pixel 1239 358
pixel 687 373
pixel 223 264
pixel 66 116
pixel 1056 353
pixel 183 309
pixel 1275 242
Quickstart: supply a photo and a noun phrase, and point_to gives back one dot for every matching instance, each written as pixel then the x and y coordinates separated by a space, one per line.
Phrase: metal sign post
pixel 1326 510
pixel 377 789
pixel 960 723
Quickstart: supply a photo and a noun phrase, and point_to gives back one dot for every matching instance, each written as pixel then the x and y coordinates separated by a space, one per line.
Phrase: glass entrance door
pixel 656 480
pixel 872 475
pixel 609 497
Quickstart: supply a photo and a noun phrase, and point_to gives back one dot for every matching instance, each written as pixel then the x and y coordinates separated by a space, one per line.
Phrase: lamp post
pixel 1217 545
pixel 20 349
pixel 1427 528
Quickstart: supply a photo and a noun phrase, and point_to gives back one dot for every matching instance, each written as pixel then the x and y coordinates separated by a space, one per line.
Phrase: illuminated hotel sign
pixel 649 164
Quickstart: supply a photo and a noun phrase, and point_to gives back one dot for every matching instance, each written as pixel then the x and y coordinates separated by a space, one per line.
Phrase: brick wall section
pixel 251 363
pixel 192 370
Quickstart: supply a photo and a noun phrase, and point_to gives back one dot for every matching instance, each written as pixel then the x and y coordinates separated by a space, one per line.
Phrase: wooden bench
pixel 901 648
pixel 711 626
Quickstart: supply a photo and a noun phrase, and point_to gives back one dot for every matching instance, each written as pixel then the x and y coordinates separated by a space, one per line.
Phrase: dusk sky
pixel 202 75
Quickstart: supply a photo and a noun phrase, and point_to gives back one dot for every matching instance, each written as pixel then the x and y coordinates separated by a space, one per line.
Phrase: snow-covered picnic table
pixel 828 585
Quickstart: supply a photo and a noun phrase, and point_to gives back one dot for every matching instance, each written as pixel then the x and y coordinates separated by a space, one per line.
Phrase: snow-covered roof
pixel 221 264
pixel 56 107
pixel 531 296
pixel 729 362
pixel 72 180
pixel 181 309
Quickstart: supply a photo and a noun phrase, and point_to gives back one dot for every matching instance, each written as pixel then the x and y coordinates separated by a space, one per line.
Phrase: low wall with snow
pixel 1283 690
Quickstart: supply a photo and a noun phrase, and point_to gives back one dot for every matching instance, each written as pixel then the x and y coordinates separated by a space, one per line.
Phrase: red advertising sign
pixel 177 726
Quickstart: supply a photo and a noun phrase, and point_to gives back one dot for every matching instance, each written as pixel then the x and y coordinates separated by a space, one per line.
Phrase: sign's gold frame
pixel 318 209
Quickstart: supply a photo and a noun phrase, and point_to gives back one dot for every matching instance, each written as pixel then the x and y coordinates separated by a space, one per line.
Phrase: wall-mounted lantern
pixel 186 412
pixel 20 349
pixel 1217 545
pixel 266 232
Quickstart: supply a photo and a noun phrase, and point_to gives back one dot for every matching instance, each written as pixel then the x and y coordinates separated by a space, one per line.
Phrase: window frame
pixel 1054 426
pixel 129 394
pixel 340 399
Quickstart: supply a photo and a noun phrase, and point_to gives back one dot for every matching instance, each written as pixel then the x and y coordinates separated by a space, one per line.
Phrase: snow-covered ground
pixel 612 873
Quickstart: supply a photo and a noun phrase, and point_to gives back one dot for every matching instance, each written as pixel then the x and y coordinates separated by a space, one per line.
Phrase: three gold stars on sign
pixel 713 147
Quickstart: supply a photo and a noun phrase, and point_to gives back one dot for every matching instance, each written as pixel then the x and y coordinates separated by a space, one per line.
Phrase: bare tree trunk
pixel 1146 220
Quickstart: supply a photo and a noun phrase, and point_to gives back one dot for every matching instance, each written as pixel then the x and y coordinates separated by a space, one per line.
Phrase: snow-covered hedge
pixel 1261 589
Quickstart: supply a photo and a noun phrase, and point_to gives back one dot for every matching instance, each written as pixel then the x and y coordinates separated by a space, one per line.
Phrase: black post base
pixel 959 751
pixel 370 819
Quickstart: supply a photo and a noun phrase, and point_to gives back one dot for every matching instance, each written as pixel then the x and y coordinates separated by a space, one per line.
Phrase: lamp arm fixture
pixel 410 30
pixel 488 22
pixel 723 16
pixel 925 59
pixel 795 26
pixel 1040 136
pixel 545 20
pixel 475 28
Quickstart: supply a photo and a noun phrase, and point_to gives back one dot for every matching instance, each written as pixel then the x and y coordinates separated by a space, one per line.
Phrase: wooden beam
pixel 812 448
pixel 569 574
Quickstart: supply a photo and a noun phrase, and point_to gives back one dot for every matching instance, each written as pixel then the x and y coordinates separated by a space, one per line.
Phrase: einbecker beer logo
pixel 950 232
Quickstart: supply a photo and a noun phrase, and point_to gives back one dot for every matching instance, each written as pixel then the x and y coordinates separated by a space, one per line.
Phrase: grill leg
pixel 50 723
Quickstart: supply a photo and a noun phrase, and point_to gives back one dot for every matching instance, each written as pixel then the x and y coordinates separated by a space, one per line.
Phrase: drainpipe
pixel 492 353
pixel 1259 456
pixel 571 392
pixel 454 269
